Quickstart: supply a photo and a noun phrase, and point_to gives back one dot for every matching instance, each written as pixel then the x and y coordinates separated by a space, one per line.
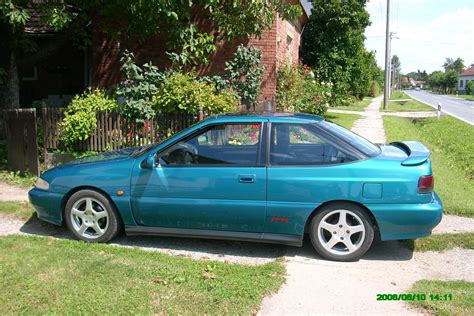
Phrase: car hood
pixel 106 156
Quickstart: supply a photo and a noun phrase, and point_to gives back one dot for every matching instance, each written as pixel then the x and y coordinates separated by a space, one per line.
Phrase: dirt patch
pixel 314 284
pixel 10 192
pixel 454 224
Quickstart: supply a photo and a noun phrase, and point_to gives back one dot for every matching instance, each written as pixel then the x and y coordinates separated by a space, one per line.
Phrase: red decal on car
pixel 280 219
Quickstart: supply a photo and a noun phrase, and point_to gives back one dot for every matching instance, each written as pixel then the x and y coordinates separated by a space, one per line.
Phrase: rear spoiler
pixel 416 151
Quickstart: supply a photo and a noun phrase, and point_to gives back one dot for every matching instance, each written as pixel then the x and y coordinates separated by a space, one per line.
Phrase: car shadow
pixel 380 250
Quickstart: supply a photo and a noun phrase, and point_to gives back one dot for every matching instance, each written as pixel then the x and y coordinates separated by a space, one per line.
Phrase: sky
pixel 427 31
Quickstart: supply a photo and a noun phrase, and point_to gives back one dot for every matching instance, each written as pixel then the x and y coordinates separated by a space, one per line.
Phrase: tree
pixel 396 65
pixel 395 70
pixel 436 80
pixel 333 41
pixel 121 19
pixel 456 65
pixel 451 78
pixel 418 75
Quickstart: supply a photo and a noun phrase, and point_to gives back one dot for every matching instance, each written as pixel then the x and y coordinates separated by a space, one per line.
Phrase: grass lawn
pixel 345 120
pixel 21 210
pixel 42 275
pixel 452 156
pixel 465 97
pixel 411 106
pixel 443 242
pixel 462 292
pixel 357 106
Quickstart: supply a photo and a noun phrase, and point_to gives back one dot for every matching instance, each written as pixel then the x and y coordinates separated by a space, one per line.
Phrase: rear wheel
pixel 90 216
pixel 341 232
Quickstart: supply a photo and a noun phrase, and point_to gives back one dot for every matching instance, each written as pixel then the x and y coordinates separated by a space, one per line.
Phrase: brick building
pixel 99 67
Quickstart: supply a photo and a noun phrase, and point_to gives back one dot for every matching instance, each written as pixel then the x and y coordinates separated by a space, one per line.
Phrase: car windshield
pixel 362 144
pixel 143 149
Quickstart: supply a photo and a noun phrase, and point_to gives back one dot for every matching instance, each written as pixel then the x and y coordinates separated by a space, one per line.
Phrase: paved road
pixel 459 108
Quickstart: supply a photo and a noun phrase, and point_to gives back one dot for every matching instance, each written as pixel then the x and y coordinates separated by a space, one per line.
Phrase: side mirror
pixel 149 162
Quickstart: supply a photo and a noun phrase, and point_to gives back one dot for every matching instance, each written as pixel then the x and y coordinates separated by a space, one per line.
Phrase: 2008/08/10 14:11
pixel 415 297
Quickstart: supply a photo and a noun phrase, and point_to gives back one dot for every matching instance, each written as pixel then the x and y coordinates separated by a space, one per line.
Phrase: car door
pixel 211 180
pixel 305 169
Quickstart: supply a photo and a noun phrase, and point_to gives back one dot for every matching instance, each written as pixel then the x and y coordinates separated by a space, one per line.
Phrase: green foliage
pixel 185 93
pixel 138 88
pixel 188 42
pixel 51 272
pixel 142 19
pixel 333 41
pixel 418 75
pixel 16 178
pixel 194 47
pixel 290 83
pixel 80 116
pixel 299 91
pixel 443 82
pixel 244 73
pixel 456 65
pixel 374 89
pixel 470 87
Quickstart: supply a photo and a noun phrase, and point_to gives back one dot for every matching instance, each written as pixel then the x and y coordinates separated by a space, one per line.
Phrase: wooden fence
pixel 114 131
pixel 21 140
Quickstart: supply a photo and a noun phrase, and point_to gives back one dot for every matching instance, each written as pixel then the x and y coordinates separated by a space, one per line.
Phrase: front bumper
pixel 407 221
pixel 47 205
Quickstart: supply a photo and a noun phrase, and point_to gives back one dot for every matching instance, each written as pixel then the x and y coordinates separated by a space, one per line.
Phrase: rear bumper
pixel 407 221
pixel 47 205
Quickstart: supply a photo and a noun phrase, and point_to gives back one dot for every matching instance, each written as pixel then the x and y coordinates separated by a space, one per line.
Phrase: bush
pixel 138 88
pixel 470 87
pixel 244 73
pixel 298 90
pixel 374 89
pixel 185 93
pixel 80 116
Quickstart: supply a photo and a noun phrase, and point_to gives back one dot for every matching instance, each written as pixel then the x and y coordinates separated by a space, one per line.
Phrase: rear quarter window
pixel 363 145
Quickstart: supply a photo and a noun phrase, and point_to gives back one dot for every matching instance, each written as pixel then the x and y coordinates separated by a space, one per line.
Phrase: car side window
pixel 302 144
pixel 226 144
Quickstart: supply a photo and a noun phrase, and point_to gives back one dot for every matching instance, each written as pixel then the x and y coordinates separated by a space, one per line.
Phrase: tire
pixel 91 217
pixel 332 236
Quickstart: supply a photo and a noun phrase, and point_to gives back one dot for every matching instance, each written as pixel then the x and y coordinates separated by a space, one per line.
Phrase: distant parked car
pixel 266 178
pixel 417 89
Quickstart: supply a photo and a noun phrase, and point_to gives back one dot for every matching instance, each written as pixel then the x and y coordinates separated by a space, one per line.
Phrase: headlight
pixel 41 184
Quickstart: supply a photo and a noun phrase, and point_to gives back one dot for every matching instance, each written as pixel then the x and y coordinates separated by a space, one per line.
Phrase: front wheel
pixel 91 217
pixel 341 232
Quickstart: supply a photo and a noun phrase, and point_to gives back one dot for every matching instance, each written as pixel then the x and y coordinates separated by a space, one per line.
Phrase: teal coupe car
pixel 270 177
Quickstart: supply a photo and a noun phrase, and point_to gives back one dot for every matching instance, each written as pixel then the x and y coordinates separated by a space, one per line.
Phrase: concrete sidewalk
pixel 370 126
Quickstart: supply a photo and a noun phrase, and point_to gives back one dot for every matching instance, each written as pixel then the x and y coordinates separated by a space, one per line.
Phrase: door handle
pixel 247 178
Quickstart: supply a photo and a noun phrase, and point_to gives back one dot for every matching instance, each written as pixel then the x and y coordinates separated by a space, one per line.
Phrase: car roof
pixel 270 116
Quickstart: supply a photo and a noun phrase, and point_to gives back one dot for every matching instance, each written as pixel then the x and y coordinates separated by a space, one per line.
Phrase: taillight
pixel 425 184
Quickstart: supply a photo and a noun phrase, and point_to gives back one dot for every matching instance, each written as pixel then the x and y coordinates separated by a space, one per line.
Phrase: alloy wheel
pixel 89 218
pixel 341 232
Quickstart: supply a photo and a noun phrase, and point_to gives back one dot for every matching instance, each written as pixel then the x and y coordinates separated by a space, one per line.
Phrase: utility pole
pixel 386 89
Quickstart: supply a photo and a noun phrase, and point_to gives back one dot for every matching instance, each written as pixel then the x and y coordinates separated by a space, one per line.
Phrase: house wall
pixel 279 45
pixel 464 80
